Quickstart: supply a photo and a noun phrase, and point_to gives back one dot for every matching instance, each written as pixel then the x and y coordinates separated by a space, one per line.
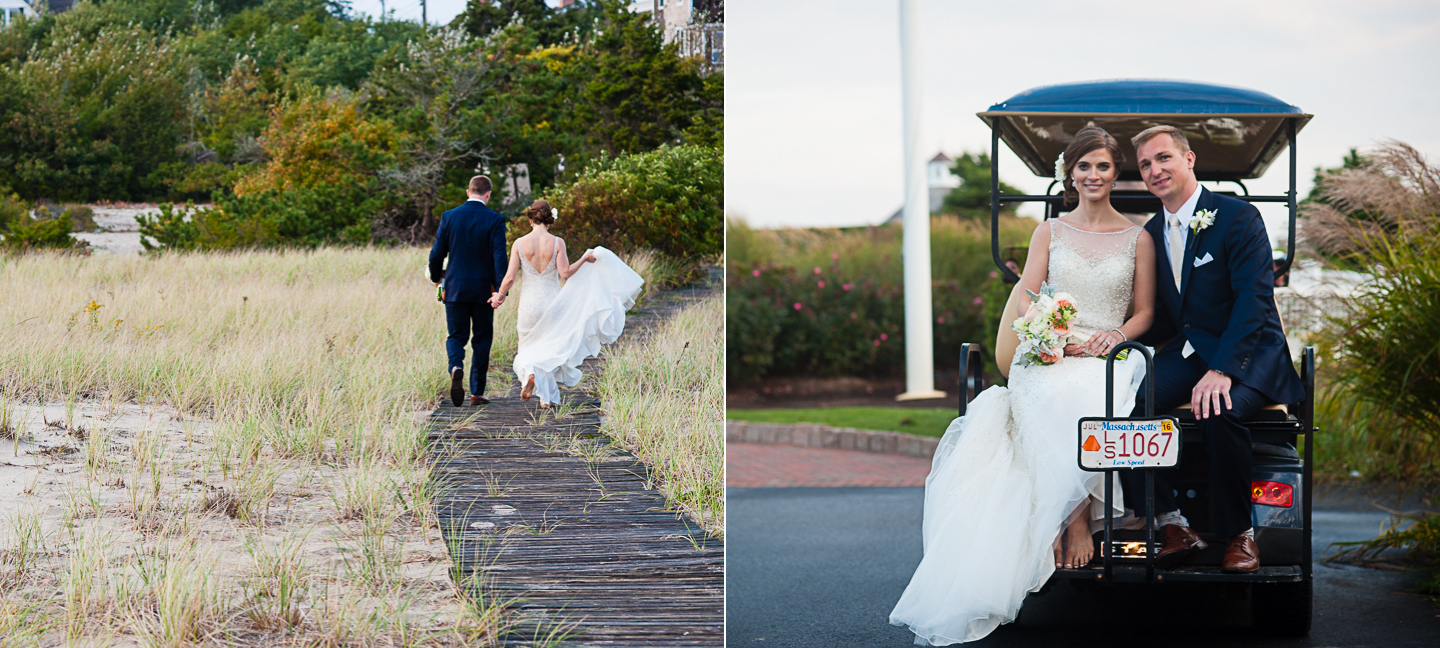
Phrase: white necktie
pixel 1177 250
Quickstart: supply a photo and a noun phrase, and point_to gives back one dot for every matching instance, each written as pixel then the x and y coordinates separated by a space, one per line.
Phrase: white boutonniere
pixel 1060 170
pixel 1202 219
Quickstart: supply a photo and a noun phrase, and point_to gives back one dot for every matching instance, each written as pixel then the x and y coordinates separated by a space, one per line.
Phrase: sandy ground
pixel 121 235
pixel 57 472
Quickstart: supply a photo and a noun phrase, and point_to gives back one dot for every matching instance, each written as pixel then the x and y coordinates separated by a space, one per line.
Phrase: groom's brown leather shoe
pixel 457 386
pixel 476 399
pixel 1241 557
pixel 1177 542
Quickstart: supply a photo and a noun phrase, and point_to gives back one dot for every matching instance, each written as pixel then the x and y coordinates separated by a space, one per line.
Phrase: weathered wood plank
pixel 575 540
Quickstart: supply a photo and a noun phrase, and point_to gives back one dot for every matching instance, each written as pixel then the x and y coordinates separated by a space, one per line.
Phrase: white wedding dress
pixel 561 326
pixel 1005 479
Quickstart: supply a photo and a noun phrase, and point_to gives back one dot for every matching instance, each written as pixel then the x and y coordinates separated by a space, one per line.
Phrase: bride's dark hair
pixel 1087 140
pixel 539 212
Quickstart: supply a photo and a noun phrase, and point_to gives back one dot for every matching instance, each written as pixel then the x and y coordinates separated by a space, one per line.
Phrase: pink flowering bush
pixel 778 323
pixel 849 285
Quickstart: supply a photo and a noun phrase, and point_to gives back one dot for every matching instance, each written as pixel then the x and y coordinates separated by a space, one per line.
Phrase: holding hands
pixel 496 299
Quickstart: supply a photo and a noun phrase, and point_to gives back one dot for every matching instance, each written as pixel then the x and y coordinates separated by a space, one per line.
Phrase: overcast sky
pixel 813 134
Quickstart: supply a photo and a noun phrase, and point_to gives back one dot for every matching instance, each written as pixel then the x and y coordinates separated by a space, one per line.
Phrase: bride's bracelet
pixel 1123 337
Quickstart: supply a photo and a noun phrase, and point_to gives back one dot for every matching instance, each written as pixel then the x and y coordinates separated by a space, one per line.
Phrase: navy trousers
pixel 472 323
pixel 1226 438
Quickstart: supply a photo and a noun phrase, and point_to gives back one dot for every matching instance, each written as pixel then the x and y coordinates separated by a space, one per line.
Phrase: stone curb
pixel 824 436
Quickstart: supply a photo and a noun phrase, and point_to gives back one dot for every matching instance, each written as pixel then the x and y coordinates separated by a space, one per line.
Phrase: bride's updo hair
pixel 1087 140
pixel 540 213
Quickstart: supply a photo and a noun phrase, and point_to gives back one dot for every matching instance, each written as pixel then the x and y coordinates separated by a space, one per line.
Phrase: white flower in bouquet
pixel 1045 329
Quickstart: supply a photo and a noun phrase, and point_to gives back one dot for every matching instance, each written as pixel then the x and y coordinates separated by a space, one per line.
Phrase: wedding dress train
pixel 1004 480
pixel 561 326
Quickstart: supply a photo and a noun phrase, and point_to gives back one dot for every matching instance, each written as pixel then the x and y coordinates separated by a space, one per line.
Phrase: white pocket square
pixel 1207 259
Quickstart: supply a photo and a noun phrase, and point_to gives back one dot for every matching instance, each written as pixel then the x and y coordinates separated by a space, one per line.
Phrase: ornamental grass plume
pixel 1378 392
pixel 1393 195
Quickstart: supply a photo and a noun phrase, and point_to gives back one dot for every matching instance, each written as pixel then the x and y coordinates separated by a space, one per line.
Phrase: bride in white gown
pixel 1006 503
pixel 561 325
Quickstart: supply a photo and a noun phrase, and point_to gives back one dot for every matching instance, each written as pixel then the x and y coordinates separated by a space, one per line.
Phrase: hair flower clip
pixel 1060 170
pixel 554 214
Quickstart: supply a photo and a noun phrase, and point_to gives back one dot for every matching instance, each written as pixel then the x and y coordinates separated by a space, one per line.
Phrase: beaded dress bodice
pixel 1098 270
pixel 1003 481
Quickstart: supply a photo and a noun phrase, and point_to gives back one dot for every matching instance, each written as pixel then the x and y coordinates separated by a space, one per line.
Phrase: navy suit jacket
pixel 1226 306
pixel 473 236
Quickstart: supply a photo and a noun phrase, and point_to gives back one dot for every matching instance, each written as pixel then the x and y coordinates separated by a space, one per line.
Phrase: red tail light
pixel 1271 493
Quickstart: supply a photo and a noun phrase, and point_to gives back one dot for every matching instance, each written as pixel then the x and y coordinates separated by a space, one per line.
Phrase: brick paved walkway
pixel 758 465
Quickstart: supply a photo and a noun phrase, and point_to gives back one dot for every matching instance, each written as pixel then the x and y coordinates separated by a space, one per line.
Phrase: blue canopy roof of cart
pixel 1236 133
pixel 1144 96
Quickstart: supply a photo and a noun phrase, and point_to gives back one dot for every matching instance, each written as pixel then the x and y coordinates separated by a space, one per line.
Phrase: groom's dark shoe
pixel 1242 556
pixel 476 399
pixel 457 386
pixel 1177 542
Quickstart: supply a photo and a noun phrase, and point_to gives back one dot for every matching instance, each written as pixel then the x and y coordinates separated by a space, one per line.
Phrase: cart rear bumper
pixel 1135 573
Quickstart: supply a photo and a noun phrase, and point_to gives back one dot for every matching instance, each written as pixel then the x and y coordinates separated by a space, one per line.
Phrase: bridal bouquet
pixel 1045 329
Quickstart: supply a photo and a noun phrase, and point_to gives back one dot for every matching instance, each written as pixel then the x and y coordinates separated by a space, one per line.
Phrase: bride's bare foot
pixel 529 389
pixel 1059 549
pixel 1079 548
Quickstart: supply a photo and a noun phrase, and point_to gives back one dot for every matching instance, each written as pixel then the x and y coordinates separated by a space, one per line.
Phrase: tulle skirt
pixel 1003 484
pixel 588 312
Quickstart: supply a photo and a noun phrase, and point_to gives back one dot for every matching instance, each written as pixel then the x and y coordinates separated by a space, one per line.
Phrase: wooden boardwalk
pixel 573 533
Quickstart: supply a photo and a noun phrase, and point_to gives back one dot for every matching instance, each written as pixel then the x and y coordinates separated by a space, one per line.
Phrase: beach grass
pixel 664 400
pixel 229 448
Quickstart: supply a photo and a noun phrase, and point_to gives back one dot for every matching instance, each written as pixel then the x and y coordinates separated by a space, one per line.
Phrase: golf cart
pixel 1236 135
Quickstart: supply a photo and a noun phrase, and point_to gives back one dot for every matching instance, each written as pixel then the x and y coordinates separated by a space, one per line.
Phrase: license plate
pixel 1107 444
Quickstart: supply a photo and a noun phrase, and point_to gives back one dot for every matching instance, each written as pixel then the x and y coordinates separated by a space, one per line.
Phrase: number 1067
pixel 1138 444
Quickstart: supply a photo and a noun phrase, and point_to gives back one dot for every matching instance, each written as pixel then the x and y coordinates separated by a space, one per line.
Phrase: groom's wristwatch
pixel 1221 373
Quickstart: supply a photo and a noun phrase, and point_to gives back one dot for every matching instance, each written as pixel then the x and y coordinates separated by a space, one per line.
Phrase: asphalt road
pixel 824 566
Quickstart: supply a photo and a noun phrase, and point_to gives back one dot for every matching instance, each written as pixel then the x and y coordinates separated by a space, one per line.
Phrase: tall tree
pixel 972 198
pixel 632 91
pixel 553 26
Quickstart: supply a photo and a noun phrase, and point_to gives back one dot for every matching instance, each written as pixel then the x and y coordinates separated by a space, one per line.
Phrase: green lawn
pixel 928 421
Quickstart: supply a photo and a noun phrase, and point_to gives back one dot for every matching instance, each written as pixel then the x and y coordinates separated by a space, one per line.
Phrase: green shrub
pixel 854 324
pixel 301 217
pixel 92 115
pixel 196 181
pixel 11 209
pixel 82 218
pixel 171 229
pixel 1380 362
pixel 42 231
pixel 668 200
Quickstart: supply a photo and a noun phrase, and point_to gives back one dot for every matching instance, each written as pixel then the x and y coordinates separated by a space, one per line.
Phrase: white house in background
pixel 12 9
pixel 939 180
pixel 697 25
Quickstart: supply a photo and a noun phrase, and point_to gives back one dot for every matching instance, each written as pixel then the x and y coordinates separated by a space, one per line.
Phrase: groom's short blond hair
pixel 1163 129
pixel 479 185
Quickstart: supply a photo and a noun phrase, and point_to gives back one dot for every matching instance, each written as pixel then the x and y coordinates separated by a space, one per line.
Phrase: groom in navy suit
pixel 473 236
pixel 1226 355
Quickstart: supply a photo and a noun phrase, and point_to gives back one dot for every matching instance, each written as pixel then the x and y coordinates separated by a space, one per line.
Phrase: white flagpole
pixel 919 332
